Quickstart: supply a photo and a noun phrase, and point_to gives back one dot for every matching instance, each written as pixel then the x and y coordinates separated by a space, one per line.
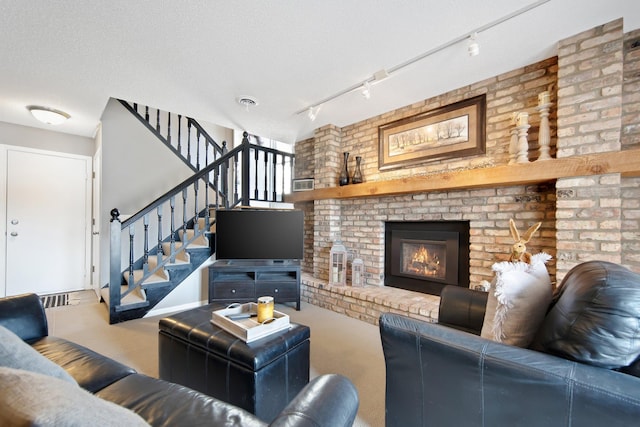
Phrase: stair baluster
pixel 159 252
pixel 198 150
pixel 172 234
pixel 184 215
pixel 169 128
pixel 256 157
pixel 274 175
pixel 196 210
pixel 132 232
pixel 145 256
pixel 266 175
pixel 179 134
pixel 207 225
pixel 189 142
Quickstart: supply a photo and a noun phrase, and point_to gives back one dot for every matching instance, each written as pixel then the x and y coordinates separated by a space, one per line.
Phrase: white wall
pixel 25 136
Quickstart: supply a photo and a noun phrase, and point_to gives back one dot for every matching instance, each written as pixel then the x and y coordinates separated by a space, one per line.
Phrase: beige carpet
pixel 339 344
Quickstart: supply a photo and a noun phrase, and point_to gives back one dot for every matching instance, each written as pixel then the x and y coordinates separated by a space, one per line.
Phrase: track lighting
pixel 313 113
pixel 474 47
pixel 48 115
pixel 366 90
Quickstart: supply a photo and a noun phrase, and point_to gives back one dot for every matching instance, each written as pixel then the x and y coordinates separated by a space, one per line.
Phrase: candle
pixel 544 98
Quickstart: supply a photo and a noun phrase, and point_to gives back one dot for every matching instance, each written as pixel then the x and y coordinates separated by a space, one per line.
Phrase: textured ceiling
pixel 196 57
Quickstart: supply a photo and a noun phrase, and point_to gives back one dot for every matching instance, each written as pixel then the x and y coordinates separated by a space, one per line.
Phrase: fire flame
pixel 424 264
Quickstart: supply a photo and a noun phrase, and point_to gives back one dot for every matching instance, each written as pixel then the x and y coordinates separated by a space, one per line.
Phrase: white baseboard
pixel 175 309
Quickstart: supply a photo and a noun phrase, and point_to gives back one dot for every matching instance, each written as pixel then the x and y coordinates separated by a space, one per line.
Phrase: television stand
pixel 246 280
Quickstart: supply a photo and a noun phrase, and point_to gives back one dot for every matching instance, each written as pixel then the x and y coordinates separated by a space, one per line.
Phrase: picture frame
pixel 455 130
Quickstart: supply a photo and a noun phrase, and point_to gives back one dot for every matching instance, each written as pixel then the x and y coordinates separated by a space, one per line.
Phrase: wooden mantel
pixel 625 162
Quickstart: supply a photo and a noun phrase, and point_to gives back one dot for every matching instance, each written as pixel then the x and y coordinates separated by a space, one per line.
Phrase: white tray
pixel 248 329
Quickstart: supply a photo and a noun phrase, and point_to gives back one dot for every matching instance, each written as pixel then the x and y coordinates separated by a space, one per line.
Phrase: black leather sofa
pixel 329 400
pixel 444 374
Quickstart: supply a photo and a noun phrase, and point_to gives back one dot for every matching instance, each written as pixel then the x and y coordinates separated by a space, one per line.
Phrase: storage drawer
pixel 231 290
pixel 280 291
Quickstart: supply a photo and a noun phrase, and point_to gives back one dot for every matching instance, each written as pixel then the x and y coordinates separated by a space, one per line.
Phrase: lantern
pixel 338 264
pixel 357 273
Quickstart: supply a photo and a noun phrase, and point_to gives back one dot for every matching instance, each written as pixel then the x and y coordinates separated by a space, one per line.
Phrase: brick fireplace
pixel 593 82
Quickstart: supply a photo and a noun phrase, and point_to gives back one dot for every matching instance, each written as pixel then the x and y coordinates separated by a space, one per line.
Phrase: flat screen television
pixel 259 234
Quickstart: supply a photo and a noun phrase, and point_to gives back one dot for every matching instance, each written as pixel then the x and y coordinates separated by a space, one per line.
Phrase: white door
pixel 47 222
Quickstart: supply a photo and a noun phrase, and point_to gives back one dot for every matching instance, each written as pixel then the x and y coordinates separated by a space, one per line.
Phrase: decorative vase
pixel 357 174
pixel 344 173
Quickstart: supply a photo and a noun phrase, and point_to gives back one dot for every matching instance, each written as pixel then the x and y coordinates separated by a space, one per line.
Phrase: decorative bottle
pixel 357 174
pixel 344 173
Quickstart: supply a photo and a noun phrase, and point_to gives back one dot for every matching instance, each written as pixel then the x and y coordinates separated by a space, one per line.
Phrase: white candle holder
pixel 544 135
pixel 513 143
pixel 523 144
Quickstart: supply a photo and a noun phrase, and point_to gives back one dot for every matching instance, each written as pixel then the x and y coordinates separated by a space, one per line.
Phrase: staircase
pixel 180 225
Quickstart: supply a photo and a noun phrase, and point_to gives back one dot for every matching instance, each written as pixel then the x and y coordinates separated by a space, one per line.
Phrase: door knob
pixel 14 222
pixel 14 233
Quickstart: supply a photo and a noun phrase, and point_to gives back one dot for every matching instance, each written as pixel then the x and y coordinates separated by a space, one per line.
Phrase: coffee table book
pixel 245 325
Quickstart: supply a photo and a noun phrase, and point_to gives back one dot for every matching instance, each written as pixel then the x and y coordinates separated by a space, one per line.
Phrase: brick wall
pixel 590 81
pixel 359 223
pixel 631 139
pixel 593 84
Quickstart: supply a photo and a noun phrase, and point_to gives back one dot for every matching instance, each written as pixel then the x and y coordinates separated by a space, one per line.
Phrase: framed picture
pixel 456 130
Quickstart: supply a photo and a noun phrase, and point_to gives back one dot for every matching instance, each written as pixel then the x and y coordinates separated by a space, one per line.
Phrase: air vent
pixel 247 102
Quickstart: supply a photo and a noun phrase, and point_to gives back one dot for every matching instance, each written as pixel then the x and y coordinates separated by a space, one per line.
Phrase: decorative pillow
pixel 518 301
pixel 15 353
pixel 596 318
pixel 30 398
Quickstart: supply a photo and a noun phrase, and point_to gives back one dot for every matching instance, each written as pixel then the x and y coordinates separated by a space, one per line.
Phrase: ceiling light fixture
pixel 247 101
pixel 383 74
pixel 474 47
pixel 48 115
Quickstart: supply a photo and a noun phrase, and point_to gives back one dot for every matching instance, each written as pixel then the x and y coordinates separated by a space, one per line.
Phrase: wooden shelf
pixel 625 162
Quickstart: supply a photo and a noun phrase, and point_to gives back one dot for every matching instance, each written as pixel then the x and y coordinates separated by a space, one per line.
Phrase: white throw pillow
pixel 518 300
pixel 33 399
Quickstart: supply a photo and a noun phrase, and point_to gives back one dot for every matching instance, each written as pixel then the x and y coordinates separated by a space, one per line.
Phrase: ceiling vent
pixel 247 102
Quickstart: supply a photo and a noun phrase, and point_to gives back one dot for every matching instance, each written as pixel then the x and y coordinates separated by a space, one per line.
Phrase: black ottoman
pixel 261 377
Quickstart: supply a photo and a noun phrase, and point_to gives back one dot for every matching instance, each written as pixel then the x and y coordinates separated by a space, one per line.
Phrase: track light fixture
pixel 313 113
pixel 366 90
pixel 474 47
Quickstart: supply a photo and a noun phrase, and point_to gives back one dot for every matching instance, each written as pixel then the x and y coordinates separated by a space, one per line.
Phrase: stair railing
pixel 181 134
pixel 138 228
pixel 254 172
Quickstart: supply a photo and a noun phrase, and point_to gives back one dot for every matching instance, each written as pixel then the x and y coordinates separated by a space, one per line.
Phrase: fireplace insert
pixel 424 256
